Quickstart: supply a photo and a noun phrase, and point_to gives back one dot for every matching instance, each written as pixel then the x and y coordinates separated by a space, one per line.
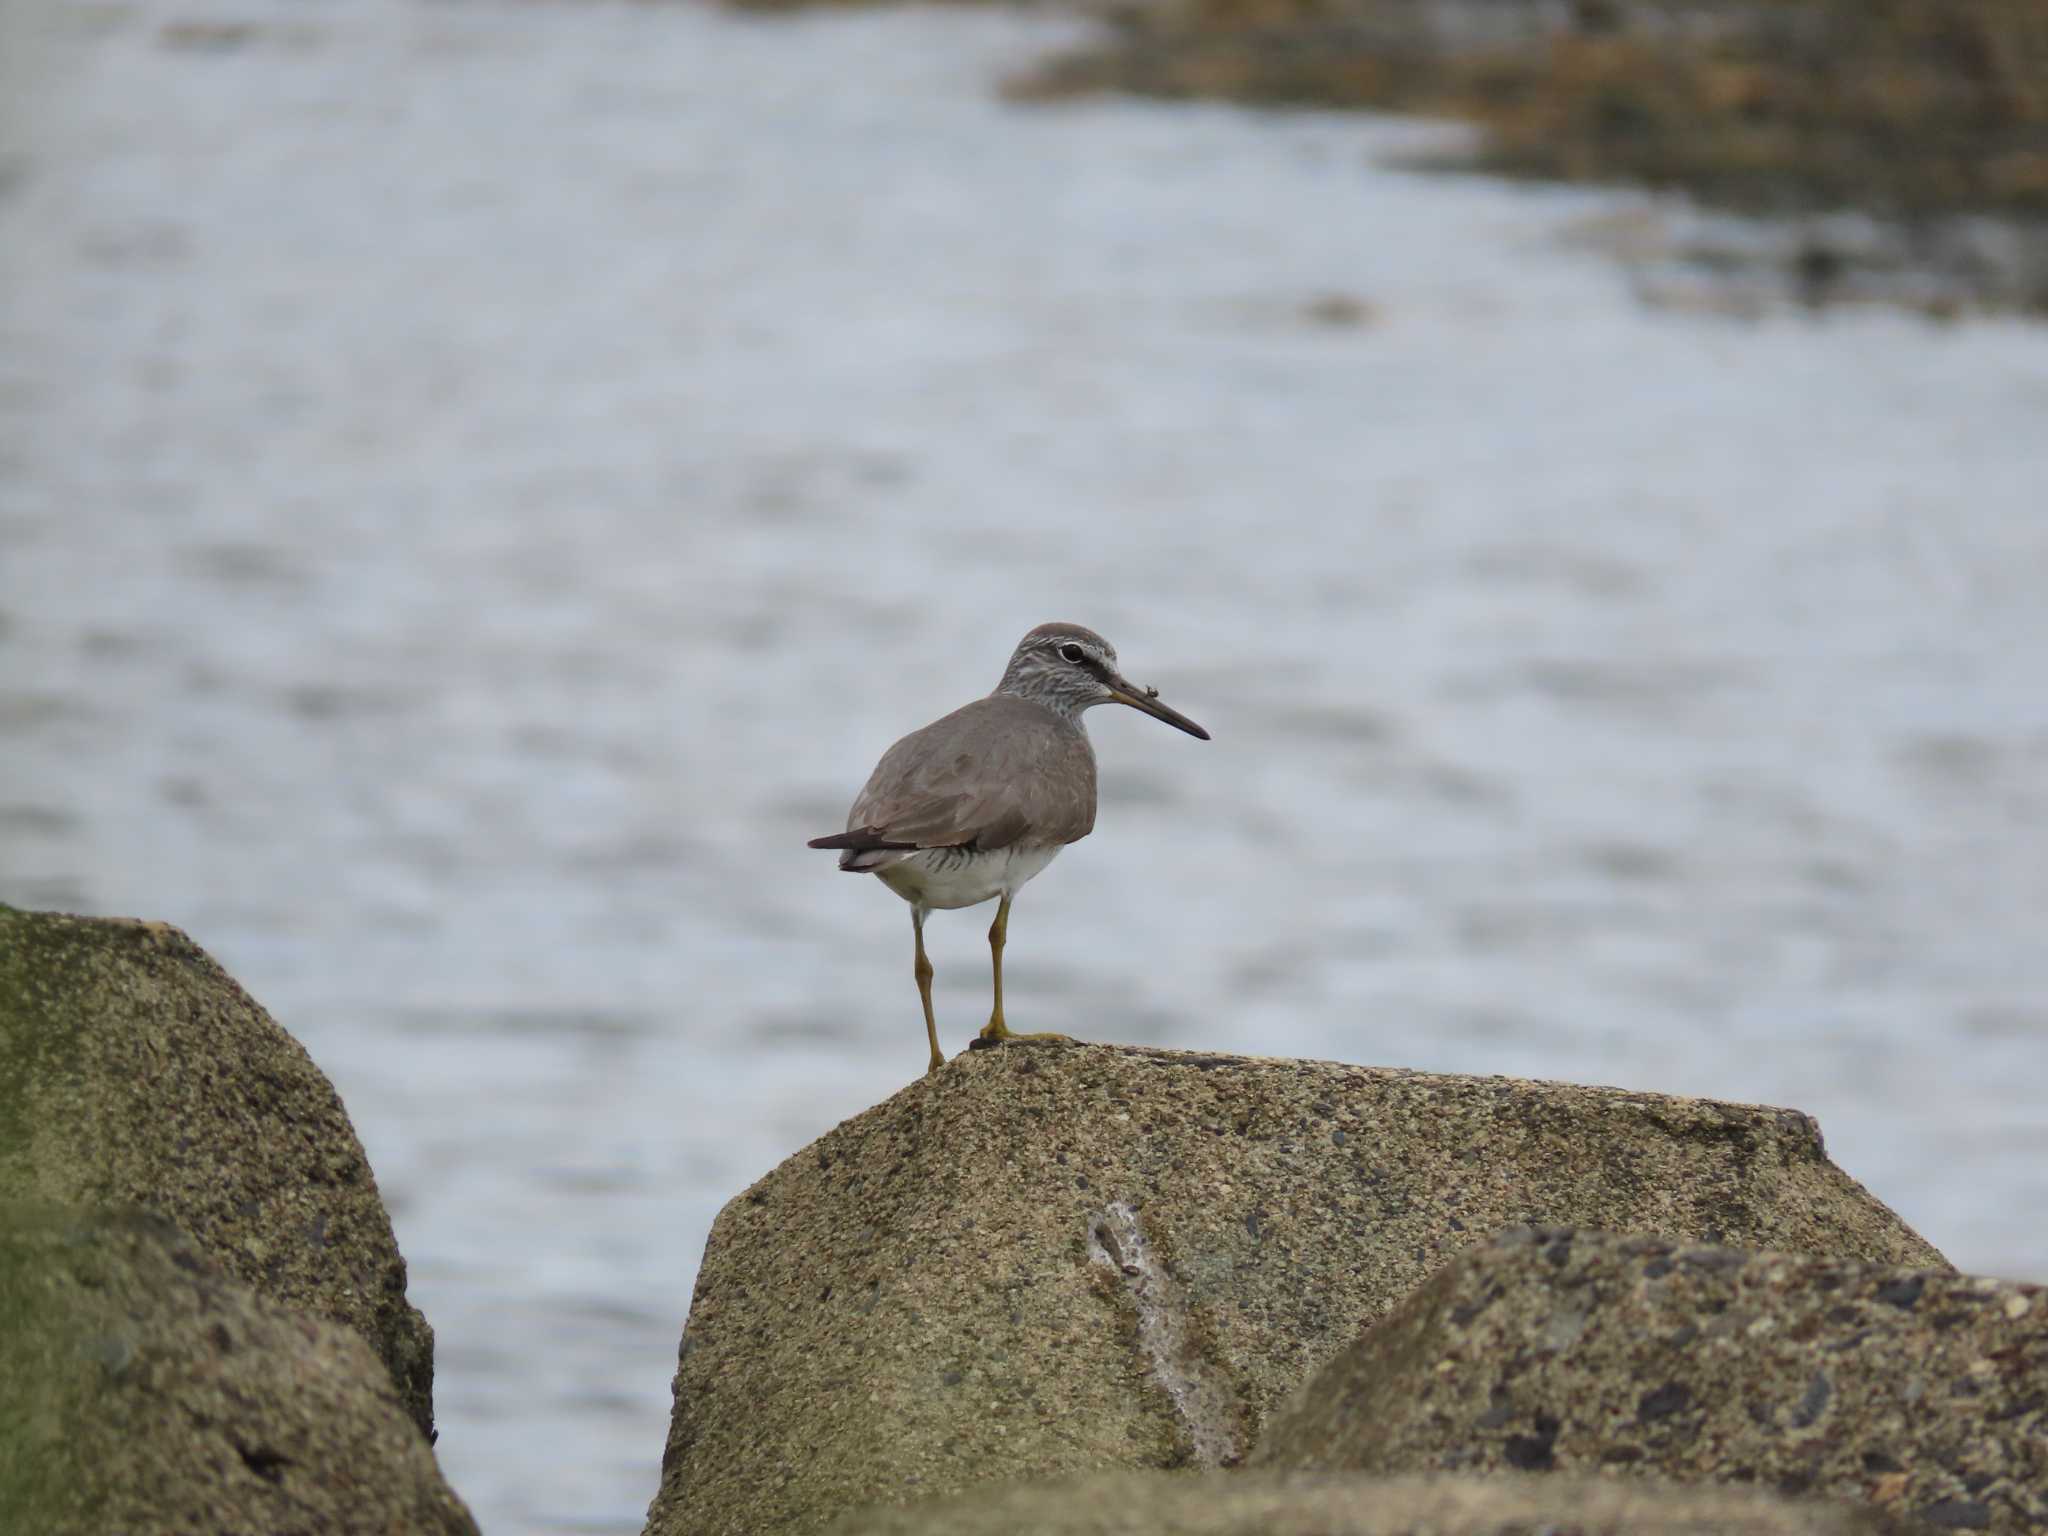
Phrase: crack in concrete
pixel 1197 1386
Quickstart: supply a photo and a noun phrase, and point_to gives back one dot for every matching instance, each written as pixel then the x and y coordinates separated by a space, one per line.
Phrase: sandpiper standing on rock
pixel 975 804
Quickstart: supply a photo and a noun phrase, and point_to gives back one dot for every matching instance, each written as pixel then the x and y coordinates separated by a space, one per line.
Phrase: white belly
pixel 952 877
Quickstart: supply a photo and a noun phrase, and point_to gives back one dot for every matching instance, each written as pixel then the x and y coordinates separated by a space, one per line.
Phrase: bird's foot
pixel 996 1032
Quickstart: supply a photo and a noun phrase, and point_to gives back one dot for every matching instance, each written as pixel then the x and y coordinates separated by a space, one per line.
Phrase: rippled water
pixel 483 482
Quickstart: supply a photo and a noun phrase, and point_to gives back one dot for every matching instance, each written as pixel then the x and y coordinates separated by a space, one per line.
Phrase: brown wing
pixel 996 772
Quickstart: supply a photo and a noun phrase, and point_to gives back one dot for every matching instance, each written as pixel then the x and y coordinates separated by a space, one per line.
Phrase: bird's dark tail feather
pixel 863 849
pixel 862 838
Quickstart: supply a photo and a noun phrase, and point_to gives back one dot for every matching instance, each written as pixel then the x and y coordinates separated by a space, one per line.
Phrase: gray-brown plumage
pixel 975 804
pixel 988 774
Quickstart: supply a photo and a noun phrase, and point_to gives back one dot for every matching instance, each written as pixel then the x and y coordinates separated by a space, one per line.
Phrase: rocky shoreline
pixel 1824 151
pixel 1082 1289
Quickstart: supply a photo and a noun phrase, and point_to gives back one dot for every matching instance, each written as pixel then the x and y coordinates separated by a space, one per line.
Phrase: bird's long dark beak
pixel 1147 699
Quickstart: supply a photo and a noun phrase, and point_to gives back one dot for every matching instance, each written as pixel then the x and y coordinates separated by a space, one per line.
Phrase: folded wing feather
pixel 998 771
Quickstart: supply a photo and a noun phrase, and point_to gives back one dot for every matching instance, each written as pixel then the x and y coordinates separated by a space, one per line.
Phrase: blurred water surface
pixel 483 482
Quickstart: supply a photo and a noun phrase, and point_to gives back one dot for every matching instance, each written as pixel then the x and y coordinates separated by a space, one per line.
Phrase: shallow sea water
pixel 480 484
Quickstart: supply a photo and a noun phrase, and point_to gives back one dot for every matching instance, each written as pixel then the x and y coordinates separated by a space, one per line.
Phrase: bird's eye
pixel 1073 653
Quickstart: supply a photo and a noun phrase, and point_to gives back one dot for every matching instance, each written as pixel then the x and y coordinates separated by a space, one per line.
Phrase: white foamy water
pixel 483 482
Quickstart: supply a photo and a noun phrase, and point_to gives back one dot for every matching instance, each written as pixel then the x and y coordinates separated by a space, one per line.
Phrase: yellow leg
pixel 998 935
pixel 996 1030
pixel 923 971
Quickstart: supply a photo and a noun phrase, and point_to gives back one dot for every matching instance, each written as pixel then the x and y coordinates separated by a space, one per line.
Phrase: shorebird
pixel 975 804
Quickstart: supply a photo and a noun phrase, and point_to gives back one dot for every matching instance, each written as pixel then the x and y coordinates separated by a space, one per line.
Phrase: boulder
pixel 1048 1259
pixel 1306 1504
pixel 142 1390
pixel 1918 1390
pixel 134 1071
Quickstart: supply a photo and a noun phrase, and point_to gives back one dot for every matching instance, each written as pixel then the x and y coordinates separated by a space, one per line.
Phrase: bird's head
pixel 1069 668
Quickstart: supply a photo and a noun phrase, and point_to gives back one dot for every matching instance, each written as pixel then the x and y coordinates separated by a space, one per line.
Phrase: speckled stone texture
pixel 134 1071
pixel 1050 1259
pixel 1306 1504
pixel 146 1392
pixel 1921 1391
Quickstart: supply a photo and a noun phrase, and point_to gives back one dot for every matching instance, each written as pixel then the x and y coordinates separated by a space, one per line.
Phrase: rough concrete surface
pixel 147 1392
pixel 134 1071
pixel 1052 1259
pixel 1920 1391
pixel 1309 1504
